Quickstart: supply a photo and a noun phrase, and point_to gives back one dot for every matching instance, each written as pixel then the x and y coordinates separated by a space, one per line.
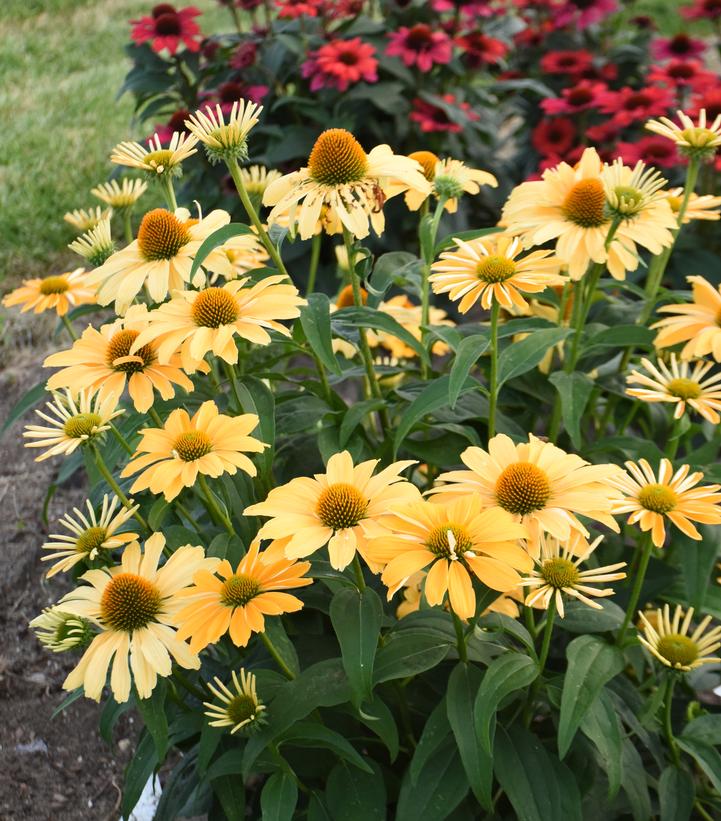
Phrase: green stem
pixel 674 439
pixel 155 416
pixel 232 377
pixel 127 226
pixel 215 512
pixel 428 255
pixel 166 184
pixel 119 436
pixel 181 508
pixel 667 725
pixel 460 637
pixel 188 685
pixel 547 632
pixel 358 570
pixel 234 169
pixel 314 259
pixel 493 386
pixel 637 585
pixel 287 672
pixel 69 327
pixel 701 811
pixel 110 479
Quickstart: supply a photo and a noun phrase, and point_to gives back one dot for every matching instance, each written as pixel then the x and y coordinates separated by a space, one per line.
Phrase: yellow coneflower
pixel 89 535
pixel 450 178
pixel 557 572
pixel 76 419
pixel 156 161
pixel 343 186
pixel 120 196
pixel 256 178
pixel 237 601
pixel 57 292
pixel 693 139
pixel 95 245
pixel 408 316
pixel 239 709
pixel 244 253
pixel 700 207
pixel 85 220
pixel 696 324
pixel 60 632
pixel 667 639
pixel 679 384
pixel 652 499
pixel 225 140
pixel 210 444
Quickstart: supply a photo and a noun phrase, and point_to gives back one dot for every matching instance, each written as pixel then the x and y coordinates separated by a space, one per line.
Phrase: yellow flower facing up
pixel 155 160
pixel 195 323
pixel 73 420
pixel 58 292
pixel 225 140
pixel 682 384
pixel 237 601
pixel 457 539
pixel 492 269
pixel 95 245
pixel 120 195
pixel 703 207
pixel 343 508
pixel 83 219
pixel 700 139
pixel 343 186
pixel 668 639
pixel 209 443
pixel 239 708
pixel 450 178
pixel 134 605
pixel 160 258
pixel 89 536
pixel 698 323
pixel 101 361
pixel 60 632
pixel 652 499
pixel 539 484
pixel 557 572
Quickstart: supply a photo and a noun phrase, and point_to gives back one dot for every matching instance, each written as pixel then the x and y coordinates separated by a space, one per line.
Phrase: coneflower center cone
pixel 129 602
pixel 337 158
pixel 522 488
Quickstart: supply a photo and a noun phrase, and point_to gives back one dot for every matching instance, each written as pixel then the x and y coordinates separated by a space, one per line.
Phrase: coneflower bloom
pixel 60 632
pixel 101 361
pixel 420 46
pixel 57 292
pixel 244 253
pixel 341 63
pixel 699 207
pixel 652 500
pixel 84 219
pixel 134 605
pixel 692 139
pixel 237 601
pixel 681 385
pixel 75 420
pixel 256 178
pixel 239 708
pixel 696 324
pixel 668 639
pixel 225 140
pixel 168 28
pixel 90 535
pixel 95 245
pixel 557 572
pixel 451 179
pixel 156 161
pixel 120 195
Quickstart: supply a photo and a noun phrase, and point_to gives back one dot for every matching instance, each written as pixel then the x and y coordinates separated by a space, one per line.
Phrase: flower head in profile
pixel 134 605
pixel 667 638
pixel 256 178
pixel 341 508
pixel 244 253
pixel 57 292
pixel 167 29
pixel 652 500
pixel 341 63
pixel 120 196
pixel 343 186
pixel 700 139
pixel 458 539
pixel 695 323
pixel 680 384
pixel 83 219
pixel 95 245
pixel 89 535
pixel 557 572
pixel 101 361
pixel 237 601
pixel 60 632
pixel 451 179
pixel 239 708
pixel 195 323
pixel 225 140
pixel 156 161
pixel 420 46
pixel 208 443
pixel 699 207
pixel 491 269
pixel 73 419
pixel 539 484
pixel 160 259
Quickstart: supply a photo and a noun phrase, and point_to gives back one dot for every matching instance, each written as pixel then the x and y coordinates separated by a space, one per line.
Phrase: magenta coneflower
pixel 554 136
pixel 584 96
pixel 341 63
pixel 481 50
pixel 167 28
pixel 432 118
pixel 651 150
pixel 628 105
pixel 583 13
pixel 566 62
pixel 292 9
pixel 703 10
pixel 679 46
pixel 682 74
pixel 420 46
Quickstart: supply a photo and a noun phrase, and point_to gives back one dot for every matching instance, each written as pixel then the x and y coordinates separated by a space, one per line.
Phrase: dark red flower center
pixel 348 58
pixel 168 25
pixel 580 96
pixel 681 71
pixel 419 37
pixel 659 150
pixel 681 44
pixel 230 92
pixel 638 100
pixel 177 121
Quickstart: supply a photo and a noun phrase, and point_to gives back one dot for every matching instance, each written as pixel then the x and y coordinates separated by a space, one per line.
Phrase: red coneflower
pixel 481 50
pixel 167 28
pixel 703 10
pixel 628 105
pixel 679 46
pixel 341 63
pixel 682 74
pixel 583 96
pixel 420 46
pixel 652 150
pixel 436 118
pixel 566 62
pixel 554 137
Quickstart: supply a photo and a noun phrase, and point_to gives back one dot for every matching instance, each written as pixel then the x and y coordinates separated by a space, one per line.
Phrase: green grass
pixel 62 62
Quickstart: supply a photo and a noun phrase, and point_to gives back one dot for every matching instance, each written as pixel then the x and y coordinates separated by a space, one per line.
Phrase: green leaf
pixel 67 701
pixel 153 712
pixel 579 618
pixel 109 716
pixel 258 398
pixel 435 732
pixel 213 241
pixel 706 756
pixel 366 317
pixel 409 653
pixel 317 810
pixel 574 390
pixel 477 762
pixel 466 236
pixel 315 320
pixel 520 357
pixel 311 734
pixel 279 797
pixel 634 782
pixel 699 558
pixel 379 719
pixel 499 621
pixel 24 404
pixel 591 663
pixel 505 675
pixel 440 787
pixel 389 268
pixel 230 792
pixel 622 336
pixel 158 512
pixel 468 353
pixel 285 647
pixel 210 738
pixel 353 417
pixel 706 729
pixel 356 618
pixel 138 772
pixel 353 795
pixel 676 794
pixel 602 726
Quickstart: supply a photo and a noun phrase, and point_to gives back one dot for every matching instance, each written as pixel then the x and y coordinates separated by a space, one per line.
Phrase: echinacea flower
pixel 208 444
pixel 57 292
pixel 458 539
pixel 76 419
pixel 101 361
pixel 652 150
pixel 167 29
pixel 693 140
pixel 668 639
pixel 557 572
pixel 195 323
pixel 582 13
pixel 237 601
pixel 420 46
pixel 680 385
pixel 583 96
pixel 160 258
pixel 629 105
pixel 343 186
pixel 341 63
pixel 544 487
pixel 554 137
pixel 60 632
pixel 679 45
pixel 703 10
pixel 696 323
pixel 491 269
pixel 244 253
pixel 408 315
pixel 699 207
pixel 91 535
pixel 569 61
pixel 451 179
pixel 225 140
pixel 134 604
pixel 95 245
pixel 83 219
pixel 156 161
pixel 239 708
pixel 448 115
pixel 480 50
pixel 680 74
pixel 120 196
pixel 652 500
pixel 256 178
pixel 341 508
